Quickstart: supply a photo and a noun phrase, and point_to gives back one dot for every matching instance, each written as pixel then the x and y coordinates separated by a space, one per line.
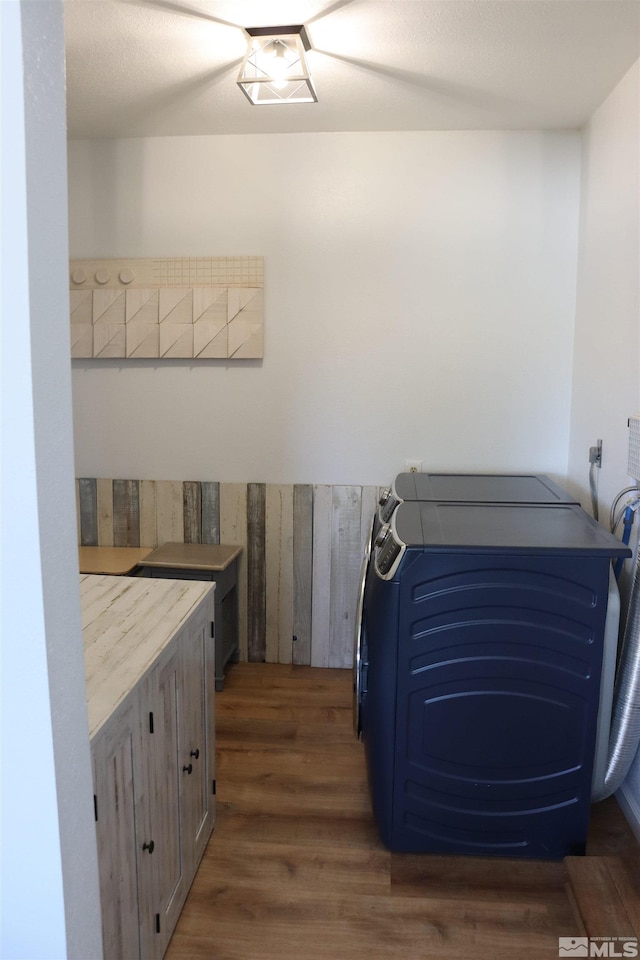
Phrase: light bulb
pixel 279 65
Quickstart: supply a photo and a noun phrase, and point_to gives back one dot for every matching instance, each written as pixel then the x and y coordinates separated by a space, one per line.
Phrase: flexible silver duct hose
pixel 625 721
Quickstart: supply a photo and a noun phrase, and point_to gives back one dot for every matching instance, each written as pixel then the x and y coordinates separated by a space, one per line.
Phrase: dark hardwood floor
pixel 295 870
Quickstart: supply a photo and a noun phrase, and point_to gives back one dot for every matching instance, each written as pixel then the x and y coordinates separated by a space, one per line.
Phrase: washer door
pixel 360 654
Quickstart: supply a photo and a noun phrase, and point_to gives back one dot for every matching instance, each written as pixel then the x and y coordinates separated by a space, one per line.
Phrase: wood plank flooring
pixel 607 894
pixel 295 869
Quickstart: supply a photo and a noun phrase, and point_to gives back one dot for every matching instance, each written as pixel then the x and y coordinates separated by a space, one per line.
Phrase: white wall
pixel 50 902
pixel 607 341
pixel 606 382
pixel 420 297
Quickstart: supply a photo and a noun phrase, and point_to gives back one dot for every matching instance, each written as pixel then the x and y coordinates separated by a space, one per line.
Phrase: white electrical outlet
pixel 413 466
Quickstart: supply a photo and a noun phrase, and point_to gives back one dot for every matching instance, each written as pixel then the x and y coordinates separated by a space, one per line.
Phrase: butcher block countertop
pixel 126 623
pixel 192 556
pixel 117 560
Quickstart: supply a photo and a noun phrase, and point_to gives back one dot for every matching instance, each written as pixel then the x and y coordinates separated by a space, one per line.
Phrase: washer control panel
pixel 388 552
pixel 387 504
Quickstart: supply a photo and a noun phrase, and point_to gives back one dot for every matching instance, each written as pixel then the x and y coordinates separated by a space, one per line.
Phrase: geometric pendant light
pixel 275 69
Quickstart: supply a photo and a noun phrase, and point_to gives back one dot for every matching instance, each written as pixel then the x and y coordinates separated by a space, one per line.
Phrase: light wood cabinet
pixel 196 740
pixel 113 768
pixel 161 873
pixel 150 663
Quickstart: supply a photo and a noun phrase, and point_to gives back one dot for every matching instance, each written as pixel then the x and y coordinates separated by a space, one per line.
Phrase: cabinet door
pixel 162 883
pixel 113 751
pixel 196 793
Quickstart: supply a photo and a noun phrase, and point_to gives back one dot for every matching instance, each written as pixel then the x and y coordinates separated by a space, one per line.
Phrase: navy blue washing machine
pixel 535 488
pixel 478 676
pixel 471 488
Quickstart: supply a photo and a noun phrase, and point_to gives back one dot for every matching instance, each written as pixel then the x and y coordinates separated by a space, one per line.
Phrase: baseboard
pixel 630 806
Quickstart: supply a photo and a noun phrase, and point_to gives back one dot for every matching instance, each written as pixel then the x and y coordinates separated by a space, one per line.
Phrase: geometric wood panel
pixel 176 323
pixel 210 332
pixel 168 308
pixel 244 323
pixel 109 325
pixel 81 304
pixel 142 335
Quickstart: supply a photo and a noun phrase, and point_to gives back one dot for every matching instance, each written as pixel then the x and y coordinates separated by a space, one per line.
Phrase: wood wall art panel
pixel 109 325
pixel 190 308
pixel 302 549
pixel 81 305
pixel 142 318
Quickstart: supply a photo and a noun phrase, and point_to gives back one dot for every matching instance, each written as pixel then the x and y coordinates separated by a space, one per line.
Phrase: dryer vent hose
pixel 625 722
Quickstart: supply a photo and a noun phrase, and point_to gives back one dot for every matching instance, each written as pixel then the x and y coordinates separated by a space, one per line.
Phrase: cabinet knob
pixel 195 753
pixel 188 768
pixel 148 846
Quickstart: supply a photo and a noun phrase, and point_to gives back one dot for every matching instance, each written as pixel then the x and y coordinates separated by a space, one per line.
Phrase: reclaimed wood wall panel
pixel 192 508
pixel 302 571
pixel 369 502
pixel 169 511
pixel 126 513
pixel 148 514
pixel 210 494
pixel 279 573
pixel 104 490
pixel 78 520
pixel 256 581
pixel 302 549
pixel 88 500
pixel 321 580
pixel 233 530
pixel 345 570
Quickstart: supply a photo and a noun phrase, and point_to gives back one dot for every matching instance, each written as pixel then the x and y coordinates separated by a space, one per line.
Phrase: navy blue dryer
pixel 480 488
pixel 479 676
pixel 470 488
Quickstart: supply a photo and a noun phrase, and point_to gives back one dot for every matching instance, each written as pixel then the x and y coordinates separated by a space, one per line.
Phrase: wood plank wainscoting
pixel 300 565
pixel 295 869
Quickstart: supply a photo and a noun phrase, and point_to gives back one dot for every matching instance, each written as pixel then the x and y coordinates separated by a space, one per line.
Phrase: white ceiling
pixel 168 67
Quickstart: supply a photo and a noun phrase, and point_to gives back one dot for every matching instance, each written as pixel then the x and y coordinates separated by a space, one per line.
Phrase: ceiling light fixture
pixel 275 69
